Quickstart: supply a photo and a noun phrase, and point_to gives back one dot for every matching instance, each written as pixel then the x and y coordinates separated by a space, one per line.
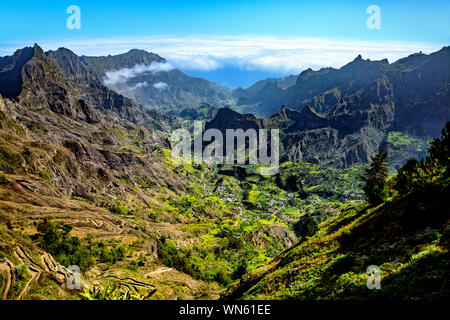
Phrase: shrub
pixel 241 269
pixel 44 174
pixel 120 208
pixel 170 256
pixel 70 250
pixel 222 278
pixel 22 272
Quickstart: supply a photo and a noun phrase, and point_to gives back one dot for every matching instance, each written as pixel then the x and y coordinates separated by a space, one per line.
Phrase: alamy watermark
pixel 74 280
pixel 374 280
pixel 74 20
pixel 374 20
pixel 224 150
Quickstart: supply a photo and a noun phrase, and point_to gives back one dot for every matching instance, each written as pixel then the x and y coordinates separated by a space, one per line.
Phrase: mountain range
pixel 165 89
pixel 414 84
pixel 87 179
pixel 340 117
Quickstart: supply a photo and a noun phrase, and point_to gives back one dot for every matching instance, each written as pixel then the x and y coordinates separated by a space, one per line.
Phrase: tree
pixel 439 150
pixel 405 181
pixel 374 178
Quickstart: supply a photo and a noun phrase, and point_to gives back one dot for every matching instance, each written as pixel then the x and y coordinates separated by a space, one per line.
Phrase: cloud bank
pixel 139 85
pixel 160 85
pixel 289 55
pixel 122 75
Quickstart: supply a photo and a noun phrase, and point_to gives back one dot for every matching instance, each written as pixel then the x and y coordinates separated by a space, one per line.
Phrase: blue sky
pixel 115 26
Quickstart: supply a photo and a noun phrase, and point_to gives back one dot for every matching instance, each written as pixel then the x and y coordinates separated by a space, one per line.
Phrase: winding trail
pixel 158 271
pixel 107 224
pixel 7 266
pixel 35 272
pixel 127 281
pixel 132 282
pixel 50 265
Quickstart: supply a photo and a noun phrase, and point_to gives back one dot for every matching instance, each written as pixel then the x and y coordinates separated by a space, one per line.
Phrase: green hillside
pixel 407 236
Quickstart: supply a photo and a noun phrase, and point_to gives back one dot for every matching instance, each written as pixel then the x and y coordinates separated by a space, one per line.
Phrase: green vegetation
pixel 22 277
pixel 243 219
pixel 401 146
pixel 397 138
pixel 406 236
pixel 374 178
pixel 111 292
pixel 119 208
pixel 44 174
pixel 70 250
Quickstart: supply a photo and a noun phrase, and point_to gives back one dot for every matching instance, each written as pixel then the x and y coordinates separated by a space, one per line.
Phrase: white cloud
pixel 122 75
pixel 289 55
pixel 160 85
pixel 139 85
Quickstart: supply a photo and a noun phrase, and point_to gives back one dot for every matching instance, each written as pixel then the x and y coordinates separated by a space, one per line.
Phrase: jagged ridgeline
pixel 154 83
pixel 340 117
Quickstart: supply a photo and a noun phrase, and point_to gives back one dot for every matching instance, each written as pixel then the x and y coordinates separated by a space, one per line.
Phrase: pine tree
pixel 374 178
pixel 439 150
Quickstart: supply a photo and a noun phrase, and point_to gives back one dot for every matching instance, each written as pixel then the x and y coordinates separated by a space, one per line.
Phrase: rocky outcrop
pixel 36 82
pixel 66 126
pixel 227 118
pixel 11 79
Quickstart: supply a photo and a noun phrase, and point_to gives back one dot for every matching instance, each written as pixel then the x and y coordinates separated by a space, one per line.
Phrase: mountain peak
pixel 138 51
pixel 37 51
pixel 11 69
pixel 101 65
pixel 306 73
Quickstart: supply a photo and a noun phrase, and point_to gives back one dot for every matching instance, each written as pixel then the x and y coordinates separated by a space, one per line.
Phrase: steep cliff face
pixel 80 130
pixel 86 78
pixel 11 70
pixel 373 107
pixel 229 119
pixel 421 86
pixel 33 80
pixel 348 136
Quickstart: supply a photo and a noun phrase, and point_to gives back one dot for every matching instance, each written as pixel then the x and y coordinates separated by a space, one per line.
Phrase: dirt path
pixel 132 282
pixel 109 225
pixel 8 267
pixel 51 266
pixel 35 272
pixel 48 263
pixel 127 280
pixel 158 271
